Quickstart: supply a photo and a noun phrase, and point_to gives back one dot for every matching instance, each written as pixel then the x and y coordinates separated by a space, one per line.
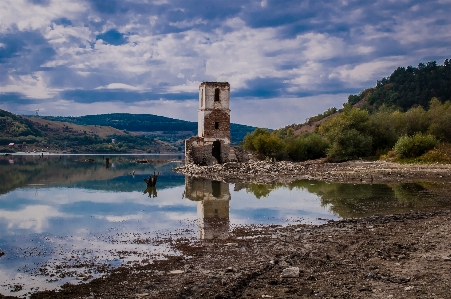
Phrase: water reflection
pixel 213 206
pixel 151 191
pixel 359 200
pixel 53 209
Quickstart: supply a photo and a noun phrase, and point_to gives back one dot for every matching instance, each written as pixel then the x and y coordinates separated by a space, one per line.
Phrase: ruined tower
pixel 214 112
pixel 212 143
pixel 214 117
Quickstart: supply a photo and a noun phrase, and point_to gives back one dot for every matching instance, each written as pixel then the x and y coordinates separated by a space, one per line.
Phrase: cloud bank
pixel 285 60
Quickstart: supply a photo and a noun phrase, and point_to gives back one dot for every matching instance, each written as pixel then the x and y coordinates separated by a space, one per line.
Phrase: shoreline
pixel 392 256
pixel 263 172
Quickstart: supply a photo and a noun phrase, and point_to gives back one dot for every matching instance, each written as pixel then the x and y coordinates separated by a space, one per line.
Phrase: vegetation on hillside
pixel 95 133
pixel 29 135
pixel 409 87
pixel 394 120
pixel 165 129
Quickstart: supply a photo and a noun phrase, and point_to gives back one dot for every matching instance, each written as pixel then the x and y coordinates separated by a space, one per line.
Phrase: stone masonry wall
pixel 217 125
pixel 199 152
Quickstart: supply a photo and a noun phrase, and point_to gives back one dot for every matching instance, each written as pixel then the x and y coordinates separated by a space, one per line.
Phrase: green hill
pixel 408 87
pixel 163 128
pixel 406 116
pixel 132 133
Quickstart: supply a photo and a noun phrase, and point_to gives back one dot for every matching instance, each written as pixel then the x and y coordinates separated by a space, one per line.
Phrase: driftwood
pixel 152 180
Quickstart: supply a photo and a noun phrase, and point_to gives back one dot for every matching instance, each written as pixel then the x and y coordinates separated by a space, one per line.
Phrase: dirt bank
pixel 352 171
pixel 400 256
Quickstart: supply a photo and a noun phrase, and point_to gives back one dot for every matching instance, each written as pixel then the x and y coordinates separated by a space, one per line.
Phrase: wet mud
pixel 394 256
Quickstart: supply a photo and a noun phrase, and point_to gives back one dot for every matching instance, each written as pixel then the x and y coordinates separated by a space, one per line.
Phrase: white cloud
pixel 120 86
pixel 26 16
pixel 185 24
pixel 353 75
pixel 279 112
pixel 32 86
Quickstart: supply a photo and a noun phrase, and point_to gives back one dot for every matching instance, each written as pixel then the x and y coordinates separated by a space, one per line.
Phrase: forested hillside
pixel 406 116
pixel 130 122
pixel 409 87
pixel 29 134
pixel 142 133
pixel 163 128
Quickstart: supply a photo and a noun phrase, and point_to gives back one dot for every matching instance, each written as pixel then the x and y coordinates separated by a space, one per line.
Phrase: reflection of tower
pixel 213 206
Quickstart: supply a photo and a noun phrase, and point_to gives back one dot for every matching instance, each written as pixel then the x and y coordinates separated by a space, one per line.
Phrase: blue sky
pixel 285 60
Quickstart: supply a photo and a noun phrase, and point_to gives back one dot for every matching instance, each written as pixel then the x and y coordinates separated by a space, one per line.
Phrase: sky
pixel 285 60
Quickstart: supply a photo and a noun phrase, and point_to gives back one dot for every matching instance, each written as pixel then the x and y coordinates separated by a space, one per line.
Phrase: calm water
pixel 64 216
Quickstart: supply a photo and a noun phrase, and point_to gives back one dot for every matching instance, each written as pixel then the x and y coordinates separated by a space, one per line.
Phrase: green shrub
pixel 414 146
pixel 307 147
pixel 265 144
pixel 348 145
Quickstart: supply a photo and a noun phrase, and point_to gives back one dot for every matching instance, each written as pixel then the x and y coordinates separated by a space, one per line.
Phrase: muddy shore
pixel 392 256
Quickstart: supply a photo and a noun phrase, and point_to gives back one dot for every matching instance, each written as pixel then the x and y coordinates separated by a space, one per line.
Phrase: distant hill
pixel 163 128
pixel 12 125
pixel 105 133
pixel 29 134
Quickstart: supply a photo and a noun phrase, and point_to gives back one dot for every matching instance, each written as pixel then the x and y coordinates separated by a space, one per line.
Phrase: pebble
pixel 292 272
pixel 176 272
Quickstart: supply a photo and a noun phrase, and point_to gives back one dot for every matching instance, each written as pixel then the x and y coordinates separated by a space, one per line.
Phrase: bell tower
pixel 212 144
pixel 214 112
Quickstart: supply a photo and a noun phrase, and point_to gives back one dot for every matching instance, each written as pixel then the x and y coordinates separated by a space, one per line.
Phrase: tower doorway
pixel 216 150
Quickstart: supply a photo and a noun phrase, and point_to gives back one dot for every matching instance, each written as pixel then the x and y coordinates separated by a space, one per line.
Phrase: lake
pixel 72 217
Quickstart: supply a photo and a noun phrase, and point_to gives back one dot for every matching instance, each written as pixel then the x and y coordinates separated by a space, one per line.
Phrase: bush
pixel 264 143
pixel 349 145
pixel 414 146
pixel 348 135
pixel 307 147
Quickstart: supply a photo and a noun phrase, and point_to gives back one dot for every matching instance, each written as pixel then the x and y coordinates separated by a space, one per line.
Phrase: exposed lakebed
pixel 72 218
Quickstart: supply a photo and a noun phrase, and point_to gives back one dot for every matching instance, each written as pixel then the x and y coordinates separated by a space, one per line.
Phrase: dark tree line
pixel 409 87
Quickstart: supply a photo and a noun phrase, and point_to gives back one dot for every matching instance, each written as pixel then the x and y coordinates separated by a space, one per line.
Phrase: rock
pixel 176 272
pixel 292 272
pixel 83 277
pixel 142 295
pixel 231 244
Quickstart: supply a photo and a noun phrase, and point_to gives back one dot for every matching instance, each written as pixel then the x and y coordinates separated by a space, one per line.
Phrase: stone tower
pixel 212 143
pixel 214 117
pixel 214 112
